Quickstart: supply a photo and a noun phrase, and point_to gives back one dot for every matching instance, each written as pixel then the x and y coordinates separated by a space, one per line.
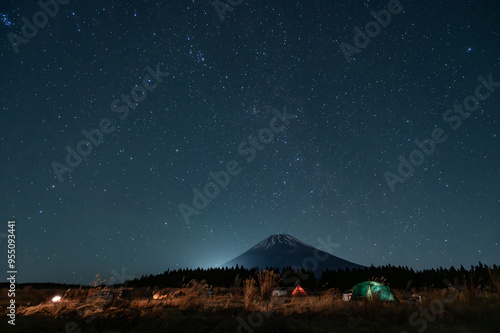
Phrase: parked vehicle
pixel 278 292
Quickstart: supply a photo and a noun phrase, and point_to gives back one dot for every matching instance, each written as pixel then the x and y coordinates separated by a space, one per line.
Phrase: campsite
pixel 252 300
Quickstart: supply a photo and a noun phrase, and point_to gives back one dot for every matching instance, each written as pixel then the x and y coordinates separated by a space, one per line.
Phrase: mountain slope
pixel 284 250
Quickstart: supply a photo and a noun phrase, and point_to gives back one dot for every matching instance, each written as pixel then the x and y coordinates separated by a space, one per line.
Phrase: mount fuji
pixel 278 251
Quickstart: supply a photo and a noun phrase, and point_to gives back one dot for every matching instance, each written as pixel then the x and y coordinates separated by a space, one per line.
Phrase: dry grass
pixel 251 293
pixel 268 280
pixel 465 309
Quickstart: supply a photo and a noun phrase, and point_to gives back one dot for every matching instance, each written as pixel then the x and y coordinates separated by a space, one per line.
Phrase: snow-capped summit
pixel 278 251
pixel 280 239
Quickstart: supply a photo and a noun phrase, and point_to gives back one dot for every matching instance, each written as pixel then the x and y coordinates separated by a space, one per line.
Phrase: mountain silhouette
pixel 278 251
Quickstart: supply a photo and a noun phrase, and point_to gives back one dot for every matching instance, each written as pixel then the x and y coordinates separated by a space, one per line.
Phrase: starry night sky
pixel 322 176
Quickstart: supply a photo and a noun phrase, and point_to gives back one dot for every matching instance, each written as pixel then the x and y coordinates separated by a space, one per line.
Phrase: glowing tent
pixel 299 291
pixel 372 290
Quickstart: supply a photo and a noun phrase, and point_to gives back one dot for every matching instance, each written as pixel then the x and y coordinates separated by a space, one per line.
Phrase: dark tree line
pixel 221 277
pixel 395 276
pixel 406 278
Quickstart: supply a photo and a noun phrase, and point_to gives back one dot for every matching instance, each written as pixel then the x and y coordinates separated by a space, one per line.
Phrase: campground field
pixel 248 308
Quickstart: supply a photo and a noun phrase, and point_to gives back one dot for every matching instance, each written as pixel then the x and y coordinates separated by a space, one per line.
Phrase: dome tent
pixel 299 291
pixel 373 290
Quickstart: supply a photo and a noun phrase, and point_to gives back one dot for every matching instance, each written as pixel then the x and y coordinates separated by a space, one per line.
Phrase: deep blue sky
pixel 321 176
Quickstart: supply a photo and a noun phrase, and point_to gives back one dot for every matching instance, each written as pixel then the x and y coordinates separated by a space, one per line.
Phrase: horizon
pixel 247 268
pixel 120 277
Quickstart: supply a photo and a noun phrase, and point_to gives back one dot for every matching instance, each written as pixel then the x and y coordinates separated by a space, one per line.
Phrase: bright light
pixel 56 298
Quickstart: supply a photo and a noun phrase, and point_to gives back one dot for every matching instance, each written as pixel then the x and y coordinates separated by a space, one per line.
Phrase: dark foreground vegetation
pixel 397 277
pixel 240 300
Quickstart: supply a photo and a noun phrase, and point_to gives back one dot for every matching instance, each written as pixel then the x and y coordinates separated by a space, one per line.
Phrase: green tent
pixel 371 289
